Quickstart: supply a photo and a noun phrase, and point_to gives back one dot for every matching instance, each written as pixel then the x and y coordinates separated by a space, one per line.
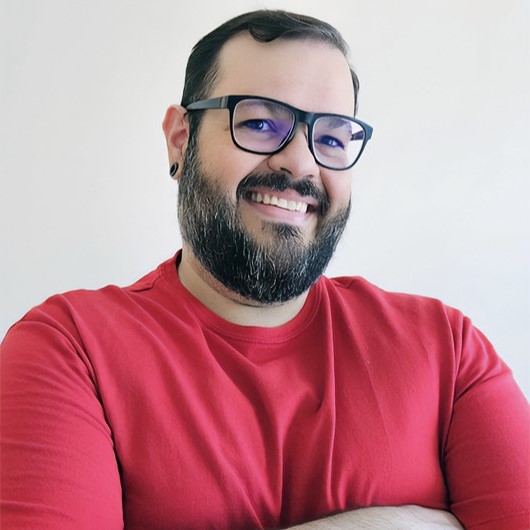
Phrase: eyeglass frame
pixel 300 116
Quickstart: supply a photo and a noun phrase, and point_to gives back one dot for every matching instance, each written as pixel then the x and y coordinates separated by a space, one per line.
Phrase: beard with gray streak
pixel 265 273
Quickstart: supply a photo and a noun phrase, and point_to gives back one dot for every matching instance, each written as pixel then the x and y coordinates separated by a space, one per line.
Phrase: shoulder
pixel 358 293
pixel 74 312
pixel 412 324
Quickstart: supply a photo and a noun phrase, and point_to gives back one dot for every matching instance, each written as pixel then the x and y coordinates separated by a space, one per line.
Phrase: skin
pixel 386 518
pixel 310 75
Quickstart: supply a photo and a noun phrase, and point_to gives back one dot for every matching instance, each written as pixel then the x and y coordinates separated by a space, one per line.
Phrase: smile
pixel 292 206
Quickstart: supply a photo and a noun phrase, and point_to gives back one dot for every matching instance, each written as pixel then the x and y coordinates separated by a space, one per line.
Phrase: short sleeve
pixel 59 469
pixel 487 454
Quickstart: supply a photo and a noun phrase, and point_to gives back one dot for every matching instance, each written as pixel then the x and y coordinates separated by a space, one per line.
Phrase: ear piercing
pixel 173 169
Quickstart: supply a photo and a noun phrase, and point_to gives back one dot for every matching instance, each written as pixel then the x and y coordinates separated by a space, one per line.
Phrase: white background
pixel 440 197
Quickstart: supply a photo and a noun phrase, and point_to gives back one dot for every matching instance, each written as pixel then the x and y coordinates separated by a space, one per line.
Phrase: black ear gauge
pixel 173 169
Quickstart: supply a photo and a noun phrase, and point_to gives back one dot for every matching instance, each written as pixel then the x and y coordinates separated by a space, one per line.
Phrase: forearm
pixel 385 517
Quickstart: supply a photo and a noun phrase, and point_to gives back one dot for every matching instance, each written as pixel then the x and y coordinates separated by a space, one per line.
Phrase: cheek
pixel 338 187
pixel 224 160
pixel 214 145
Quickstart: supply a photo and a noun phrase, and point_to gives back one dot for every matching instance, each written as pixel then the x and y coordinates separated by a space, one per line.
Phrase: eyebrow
pixel 335 122
pixel 273 108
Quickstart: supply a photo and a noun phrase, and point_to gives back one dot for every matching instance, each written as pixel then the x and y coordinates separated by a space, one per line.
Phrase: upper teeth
pixel 281 203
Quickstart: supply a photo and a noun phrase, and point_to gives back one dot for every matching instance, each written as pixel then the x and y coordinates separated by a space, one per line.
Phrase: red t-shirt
pixel 139 407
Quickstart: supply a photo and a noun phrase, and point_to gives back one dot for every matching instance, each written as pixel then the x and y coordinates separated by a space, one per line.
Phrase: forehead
pixel 307 74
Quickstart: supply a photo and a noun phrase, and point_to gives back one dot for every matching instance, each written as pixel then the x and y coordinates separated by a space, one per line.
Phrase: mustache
pixel 281 182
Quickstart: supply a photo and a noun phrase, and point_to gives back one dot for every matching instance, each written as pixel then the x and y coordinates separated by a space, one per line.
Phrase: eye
pixel 329 141
pixel 258 125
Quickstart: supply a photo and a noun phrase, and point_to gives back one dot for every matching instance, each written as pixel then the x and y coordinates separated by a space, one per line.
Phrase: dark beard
pixel 264 273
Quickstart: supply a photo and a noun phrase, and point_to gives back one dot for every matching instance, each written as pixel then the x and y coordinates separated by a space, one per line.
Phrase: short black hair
pixel 264 26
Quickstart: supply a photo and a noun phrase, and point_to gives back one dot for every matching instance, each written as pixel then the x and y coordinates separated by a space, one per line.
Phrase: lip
pixel 277 214
pixel 274 214
pixel 288 195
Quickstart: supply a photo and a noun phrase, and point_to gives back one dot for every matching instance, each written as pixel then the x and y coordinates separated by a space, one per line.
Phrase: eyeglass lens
pixel 264 126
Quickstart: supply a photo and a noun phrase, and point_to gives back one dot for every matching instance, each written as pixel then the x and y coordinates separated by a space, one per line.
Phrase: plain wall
pixel 440 197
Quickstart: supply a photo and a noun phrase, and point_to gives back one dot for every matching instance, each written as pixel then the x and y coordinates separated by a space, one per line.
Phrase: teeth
pixel 292 206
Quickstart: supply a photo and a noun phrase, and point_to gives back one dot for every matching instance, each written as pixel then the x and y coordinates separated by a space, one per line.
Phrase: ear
pixel 176 130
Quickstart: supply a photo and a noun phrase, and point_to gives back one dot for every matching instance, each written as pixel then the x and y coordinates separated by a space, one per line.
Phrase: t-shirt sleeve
pixel 59 468
pixel 487 452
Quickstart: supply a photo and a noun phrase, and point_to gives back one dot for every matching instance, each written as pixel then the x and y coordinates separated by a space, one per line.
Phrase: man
pixel 235 386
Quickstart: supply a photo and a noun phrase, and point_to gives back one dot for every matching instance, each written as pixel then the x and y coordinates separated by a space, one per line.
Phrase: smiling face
pixel 309 75
pixel 265 226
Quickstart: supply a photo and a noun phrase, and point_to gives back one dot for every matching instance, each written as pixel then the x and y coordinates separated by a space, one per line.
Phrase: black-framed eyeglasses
pixel 265 126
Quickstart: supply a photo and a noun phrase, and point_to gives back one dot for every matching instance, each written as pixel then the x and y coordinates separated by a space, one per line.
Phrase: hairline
pixel 212 76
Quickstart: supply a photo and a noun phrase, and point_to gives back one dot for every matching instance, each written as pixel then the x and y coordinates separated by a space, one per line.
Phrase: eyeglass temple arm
pixel 368 129
pixel 213 103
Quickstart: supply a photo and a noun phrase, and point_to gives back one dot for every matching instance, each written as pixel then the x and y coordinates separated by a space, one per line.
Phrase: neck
pixel 229 305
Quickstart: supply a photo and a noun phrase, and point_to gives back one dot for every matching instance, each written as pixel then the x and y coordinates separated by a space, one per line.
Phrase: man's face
pixel 223 185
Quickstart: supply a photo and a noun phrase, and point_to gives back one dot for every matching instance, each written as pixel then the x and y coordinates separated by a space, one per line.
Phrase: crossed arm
pixel 486 468
pixel 385 518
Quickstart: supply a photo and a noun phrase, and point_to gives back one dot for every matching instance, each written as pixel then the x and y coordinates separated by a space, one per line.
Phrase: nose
pixel 295 158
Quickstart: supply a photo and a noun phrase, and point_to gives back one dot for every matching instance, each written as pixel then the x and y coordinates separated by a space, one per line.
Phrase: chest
pixel 220 433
